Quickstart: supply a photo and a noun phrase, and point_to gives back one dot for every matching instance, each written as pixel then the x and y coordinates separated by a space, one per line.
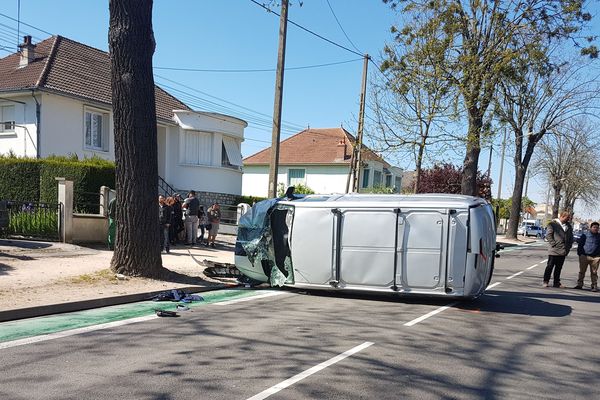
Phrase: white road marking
pixel 260 296
pixel 533 266
pixel 516 274
pixel 72 332
pixel 296 378
pixel 430 314
pixel 493 285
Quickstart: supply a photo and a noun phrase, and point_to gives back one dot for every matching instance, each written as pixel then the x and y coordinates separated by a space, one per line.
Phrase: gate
pixel 31 220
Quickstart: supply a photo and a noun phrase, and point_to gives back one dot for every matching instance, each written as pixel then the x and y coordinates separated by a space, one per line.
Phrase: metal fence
pixel 32 220
pixel 86 202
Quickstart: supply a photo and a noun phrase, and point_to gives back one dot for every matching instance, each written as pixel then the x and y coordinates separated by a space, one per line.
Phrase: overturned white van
pixel 434 244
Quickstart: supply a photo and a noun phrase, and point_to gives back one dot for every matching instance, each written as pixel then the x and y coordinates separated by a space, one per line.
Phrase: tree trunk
pixel 556 203
pixel 470 164
pixel 517 201
pixel 131 43
pixel 418 168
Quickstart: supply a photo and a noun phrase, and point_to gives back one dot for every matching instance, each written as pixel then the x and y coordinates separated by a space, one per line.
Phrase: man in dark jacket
pixel 559 235
pixel 588 250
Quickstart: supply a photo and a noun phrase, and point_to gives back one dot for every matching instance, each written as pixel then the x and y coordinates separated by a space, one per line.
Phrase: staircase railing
pixel 164 188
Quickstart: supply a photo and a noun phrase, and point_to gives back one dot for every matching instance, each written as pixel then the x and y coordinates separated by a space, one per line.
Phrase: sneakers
pixel 212 245
pixel 558 286
pixel 594 289
pixel 545 284
pixel 578 287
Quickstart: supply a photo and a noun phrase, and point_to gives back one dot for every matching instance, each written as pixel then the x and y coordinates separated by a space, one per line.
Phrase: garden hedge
pixel 24 179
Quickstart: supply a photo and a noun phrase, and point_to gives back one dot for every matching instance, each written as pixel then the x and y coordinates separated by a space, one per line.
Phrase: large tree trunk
pixel 470 164
pixel 516 203
pixel 131 43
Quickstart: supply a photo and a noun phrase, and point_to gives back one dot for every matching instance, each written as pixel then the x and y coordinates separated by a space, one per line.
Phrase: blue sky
pixel 238 34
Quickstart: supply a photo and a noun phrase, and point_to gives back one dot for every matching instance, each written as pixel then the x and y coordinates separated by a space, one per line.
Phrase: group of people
pixel 176 216
pixel 559 234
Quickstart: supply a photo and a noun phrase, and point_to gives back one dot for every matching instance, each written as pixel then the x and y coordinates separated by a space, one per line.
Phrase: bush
pixel 26 179
pixel 19 178
pixel 249 199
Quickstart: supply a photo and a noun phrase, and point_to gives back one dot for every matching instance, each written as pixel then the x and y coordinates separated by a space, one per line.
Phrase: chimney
pixel 27 52
pixel 340 150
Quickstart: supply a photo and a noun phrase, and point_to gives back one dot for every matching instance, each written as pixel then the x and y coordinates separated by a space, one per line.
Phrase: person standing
pixel 588 250
pixel 202 221
pixel 165 218
pixel 191 205
pixel 214 218
pixel 559 235
pixel 177 223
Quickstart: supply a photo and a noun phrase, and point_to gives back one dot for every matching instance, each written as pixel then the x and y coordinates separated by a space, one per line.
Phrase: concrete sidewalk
pixel 40 278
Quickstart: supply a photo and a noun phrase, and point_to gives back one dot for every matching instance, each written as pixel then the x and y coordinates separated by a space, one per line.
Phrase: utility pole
pixel 274 163
pixel 501 164
pixel 355 169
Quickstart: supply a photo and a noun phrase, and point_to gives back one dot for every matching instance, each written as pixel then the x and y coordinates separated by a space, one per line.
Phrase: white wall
pixel 320 178
pixel 208 178
pixel 23 141
pixel 62 130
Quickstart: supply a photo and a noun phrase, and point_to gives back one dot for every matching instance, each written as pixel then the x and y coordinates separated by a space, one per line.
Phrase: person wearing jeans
pixel 559 235
pixel 165 218
pixel 588 250
pixel 191 205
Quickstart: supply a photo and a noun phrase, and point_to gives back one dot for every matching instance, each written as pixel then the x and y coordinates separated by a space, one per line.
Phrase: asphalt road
pixel 518 341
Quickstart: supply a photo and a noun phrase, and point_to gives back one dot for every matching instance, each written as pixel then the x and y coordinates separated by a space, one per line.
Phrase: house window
pixel 365 178
pixel 196 148
pixel 376 178
pixel 296 176
pixel 7 119
pixel 96 130
pixel 231 156
pixel 388 181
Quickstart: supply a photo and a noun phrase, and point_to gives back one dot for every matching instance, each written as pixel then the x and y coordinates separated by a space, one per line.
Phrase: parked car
pixel 577 235
pixel 530 230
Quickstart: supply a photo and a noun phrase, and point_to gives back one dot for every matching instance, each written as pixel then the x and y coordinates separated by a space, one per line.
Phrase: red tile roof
pixel 314 146
pixel 68 67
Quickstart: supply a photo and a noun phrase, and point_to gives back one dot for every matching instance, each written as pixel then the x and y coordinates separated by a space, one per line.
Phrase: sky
pixel 236 35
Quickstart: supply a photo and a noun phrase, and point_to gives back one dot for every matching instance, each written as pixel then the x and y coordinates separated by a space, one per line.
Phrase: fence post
pixel 104 199
pixel 65 197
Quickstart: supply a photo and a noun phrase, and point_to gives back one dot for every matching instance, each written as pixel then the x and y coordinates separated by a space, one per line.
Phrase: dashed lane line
pixel 431 314
pixel 260 296
pixel 297 378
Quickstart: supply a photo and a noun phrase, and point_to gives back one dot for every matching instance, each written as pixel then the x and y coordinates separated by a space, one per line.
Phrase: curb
pixel 60 308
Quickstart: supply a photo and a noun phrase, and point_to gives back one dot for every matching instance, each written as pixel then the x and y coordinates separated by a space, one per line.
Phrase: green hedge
pixel 19 179
pixel 35 180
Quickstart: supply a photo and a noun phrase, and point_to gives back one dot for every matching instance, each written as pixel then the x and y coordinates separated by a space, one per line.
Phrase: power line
pixel 256 70
pixel 26 24
pixel 308 30
pixel 340 25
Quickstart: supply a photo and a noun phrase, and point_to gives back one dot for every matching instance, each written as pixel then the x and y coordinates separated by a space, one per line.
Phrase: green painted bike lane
pixel 20 329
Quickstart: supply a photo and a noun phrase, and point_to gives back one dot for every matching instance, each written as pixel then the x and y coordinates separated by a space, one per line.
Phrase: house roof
pixel 64 66
pixel 314 146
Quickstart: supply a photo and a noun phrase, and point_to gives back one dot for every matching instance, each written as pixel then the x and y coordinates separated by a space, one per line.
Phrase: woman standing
pixel 214 218
pixel 165 218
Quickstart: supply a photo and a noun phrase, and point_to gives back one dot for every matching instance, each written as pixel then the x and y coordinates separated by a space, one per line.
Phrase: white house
pixel 319 159
pixel 55 98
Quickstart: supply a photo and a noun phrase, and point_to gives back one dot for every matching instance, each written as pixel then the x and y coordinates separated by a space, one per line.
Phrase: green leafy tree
pixel 298 189
pixel 477 44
